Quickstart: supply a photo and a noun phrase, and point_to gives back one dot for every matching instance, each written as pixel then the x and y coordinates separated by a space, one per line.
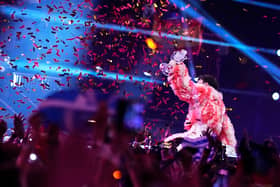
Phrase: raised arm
pixel 207 98
pixel 182 84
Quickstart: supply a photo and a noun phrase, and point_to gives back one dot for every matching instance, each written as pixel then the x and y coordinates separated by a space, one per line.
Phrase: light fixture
pixel 275 96
pixel 32 157
pixel 278 52
pixel 91 121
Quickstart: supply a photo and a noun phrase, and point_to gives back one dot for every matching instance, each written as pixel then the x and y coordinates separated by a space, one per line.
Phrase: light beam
pixel 75 22
pixel 268 66
pixel 260 4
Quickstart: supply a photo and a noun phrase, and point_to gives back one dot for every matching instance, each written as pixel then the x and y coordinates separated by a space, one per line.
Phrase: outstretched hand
pixel 208 133
pixel 18 125
pixel 179 56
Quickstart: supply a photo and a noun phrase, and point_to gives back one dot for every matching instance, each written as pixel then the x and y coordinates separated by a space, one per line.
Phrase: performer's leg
pixel 192 138
pixel 175 136
pixel 228 137
pixel 228 134
pixel 194 132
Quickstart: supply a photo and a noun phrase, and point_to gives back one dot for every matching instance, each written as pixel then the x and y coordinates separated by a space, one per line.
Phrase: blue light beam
pixel 58 19
pixel 260 4
pixel 268 66
pixel 75 71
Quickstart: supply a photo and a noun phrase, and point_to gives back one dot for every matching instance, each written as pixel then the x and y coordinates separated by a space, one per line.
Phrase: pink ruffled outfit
pixel 206 106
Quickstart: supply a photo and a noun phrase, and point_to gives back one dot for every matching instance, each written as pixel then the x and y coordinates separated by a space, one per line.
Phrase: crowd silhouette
pixel 116 150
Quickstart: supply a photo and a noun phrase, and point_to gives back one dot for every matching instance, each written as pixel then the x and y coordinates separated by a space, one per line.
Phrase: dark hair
pixel 211 80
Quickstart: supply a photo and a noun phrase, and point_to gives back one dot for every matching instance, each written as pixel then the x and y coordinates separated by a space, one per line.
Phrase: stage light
pixel 32 157
pixel 275 96
pixel 56 19
pixel 268 66
pixel 98 68
pixel 7 59
pixel 117 174
pixel 151 43
pixel 147 74
pixel 278 52
pixel 260 4
pixel 91 121
pixel 76 71
pixel 248 50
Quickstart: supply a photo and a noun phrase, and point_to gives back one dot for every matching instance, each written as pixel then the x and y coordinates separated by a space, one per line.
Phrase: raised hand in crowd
pixel 18 125
pixel 212 140
pixel 18 133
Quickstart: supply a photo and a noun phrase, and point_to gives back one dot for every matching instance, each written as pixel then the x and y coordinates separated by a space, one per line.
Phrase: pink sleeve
pixel 182 85
pixel 212 106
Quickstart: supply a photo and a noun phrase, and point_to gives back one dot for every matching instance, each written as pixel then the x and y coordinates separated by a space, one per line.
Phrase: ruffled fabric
pixel 205 103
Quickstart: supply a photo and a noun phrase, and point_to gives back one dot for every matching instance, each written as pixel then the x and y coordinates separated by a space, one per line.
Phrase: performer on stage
pixel 206 106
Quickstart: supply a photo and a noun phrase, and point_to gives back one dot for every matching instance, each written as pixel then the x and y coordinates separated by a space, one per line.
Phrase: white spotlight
pixel 278 52
pixel 98 68
pixel 91 121
pixel 7 59
pixel 275 96
pixel 33 157
pixel 147 74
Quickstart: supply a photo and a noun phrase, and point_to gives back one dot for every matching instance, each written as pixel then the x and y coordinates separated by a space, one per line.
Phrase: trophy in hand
pixel 178 57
